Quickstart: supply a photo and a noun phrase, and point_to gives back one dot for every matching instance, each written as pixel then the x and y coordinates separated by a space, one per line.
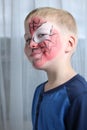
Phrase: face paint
pixel 44 43
pixel 42 33
pixel 35 24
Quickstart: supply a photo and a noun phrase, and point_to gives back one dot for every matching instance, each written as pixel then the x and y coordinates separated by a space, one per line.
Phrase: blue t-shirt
pixel 61 108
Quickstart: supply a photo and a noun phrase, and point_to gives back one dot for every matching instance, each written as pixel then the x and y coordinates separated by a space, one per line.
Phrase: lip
pixel 36 53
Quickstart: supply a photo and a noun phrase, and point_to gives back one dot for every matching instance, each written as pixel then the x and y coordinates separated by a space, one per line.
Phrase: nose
pixel 33 44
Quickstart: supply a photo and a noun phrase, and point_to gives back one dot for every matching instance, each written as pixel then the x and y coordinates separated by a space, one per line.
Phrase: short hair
pixel 59 16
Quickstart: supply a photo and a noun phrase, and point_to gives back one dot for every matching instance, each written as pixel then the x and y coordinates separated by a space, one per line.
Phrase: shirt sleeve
pixel 76 118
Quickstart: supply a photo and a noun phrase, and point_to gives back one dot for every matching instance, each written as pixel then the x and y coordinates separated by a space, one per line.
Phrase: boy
pixel 61 102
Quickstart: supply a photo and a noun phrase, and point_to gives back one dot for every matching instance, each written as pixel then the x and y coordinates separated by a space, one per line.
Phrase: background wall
pixel 18 79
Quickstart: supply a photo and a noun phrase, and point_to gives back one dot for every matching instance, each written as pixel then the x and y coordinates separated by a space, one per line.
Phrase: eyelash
pixel 41 35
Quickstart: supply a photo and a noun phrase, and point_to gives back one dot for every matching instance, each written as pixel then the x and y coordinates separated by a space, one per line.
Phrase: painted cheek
pixel 50 50
pixel 53 47
pixel 27 51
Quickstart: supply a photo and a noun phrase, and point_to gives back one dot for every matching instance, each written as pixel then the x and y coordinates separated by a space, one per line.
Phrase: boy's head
pixel 49 32
pixel 60 17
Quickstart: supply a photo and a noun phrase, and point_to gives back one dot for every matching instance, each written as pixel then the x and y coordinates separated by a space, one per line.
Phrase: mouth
pixel 36 53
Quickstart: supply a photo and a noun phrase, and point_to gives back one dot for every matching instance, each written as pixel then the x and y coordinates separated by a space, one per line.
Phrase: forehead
pixel 38 24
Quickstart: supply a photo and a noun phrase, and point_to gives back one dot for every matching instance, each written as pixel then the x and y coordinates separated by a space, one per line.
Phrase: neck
pixel 59 76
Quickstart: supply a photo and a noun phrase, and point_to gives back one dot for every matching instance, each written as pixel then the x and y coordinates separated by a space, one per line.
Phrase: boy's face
pixel 43 41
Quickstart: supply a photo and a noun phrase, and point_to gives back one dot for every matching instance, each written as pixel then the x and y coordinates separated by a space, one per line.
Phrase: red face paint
pixel 44 44
pixel 35 24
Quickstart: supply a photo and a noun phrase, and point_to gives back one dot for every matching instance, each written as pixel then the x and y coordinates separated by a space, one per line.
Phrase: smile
pixel 36 53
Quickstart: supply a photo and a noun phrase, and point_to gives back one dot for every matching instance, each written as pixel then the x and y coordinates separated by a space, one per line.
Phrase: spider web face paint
pixel 35 24
pixel 47 38
pixel 42 33
pixel 39 30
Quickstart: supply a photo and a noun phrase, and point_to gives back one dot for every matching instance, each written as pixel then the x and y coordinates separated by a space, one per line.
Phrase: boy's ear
pixel 70 44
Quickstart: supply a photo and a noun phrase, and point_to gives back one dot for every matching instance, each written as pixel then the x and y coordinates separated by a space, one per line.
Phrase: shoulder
pixel 40 87
pixel 77 113
pixel 76 87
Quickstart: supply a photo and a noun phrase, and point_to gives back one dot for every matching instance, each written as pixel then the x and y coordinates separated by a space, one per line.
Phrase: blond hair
pixel 58 16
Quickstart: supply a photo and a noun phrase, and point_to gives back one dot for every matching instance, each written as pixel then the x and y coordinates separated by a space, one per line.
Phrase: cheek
pixel 50 51
pixel 56 48
pixel 27 51
pixel 53 47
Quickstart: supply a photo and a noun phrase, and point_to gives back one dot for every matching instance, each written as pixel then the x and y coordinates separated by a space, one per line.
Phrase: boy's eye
pixel 28 40
pixel 41 35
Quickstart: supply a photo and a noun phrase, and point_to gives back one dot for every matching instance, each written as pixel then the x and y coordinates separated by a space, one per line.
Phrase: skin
pixel 43 42
pixel 50 52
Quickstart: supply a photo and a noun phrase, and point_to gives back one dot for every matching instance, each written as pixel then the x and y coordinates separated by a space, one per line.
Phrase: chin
pixel 39 65
pixel 45 66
